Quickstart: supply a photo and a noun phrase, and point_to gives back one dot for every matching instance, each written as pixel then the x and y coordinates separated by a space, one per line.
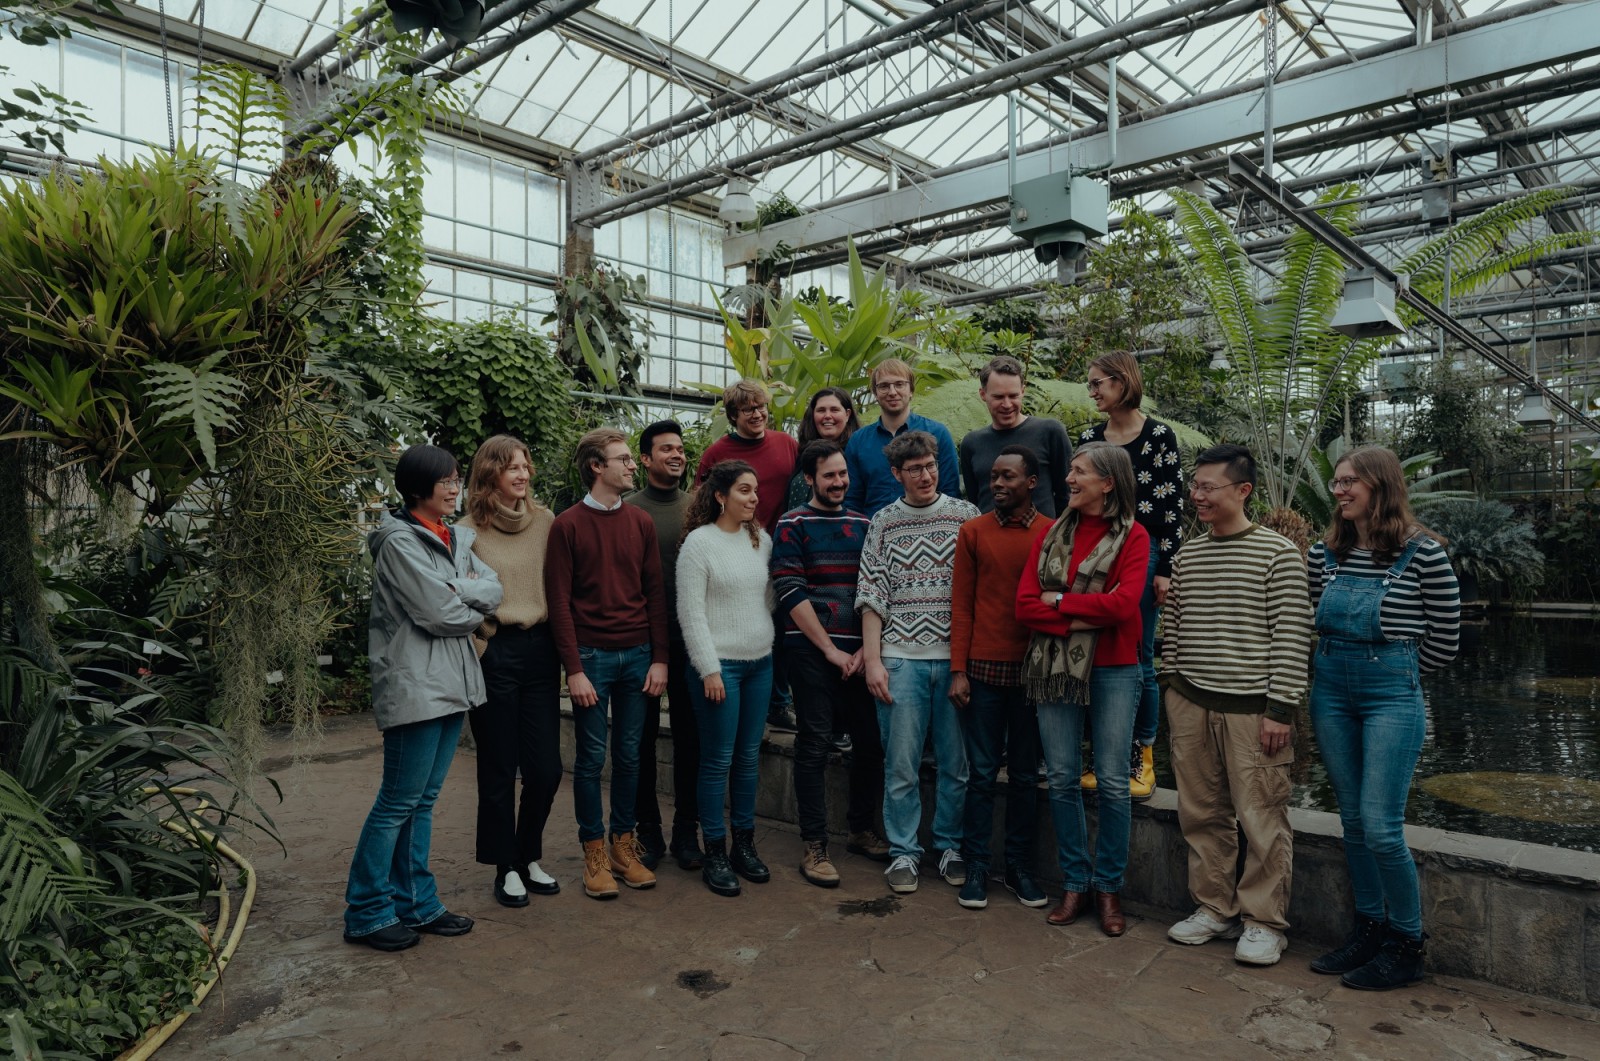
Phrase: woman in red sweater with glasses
pixel 1079 595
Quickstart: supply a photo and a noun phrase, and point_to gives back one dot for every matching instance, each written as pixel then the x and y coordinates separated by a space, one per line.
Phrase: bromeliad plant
pixel 1293 370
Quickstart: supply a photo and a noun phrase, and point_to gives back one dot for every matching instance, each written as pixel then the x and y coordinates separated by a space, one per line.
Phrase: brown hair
pixel 704 507
pixel 592 451
pixel 808 426
pixel 741 395
pixel 1124 366
pixel 910 446
pixel 1004 364
pixel 1391 523
pixel 1112 462
pixel 483 478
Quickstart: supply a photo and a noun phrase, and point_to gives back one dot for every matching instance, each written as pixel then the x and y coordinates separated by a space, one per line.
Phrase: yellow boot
pixel 597 880
pixel 626 864
pixel 1142 781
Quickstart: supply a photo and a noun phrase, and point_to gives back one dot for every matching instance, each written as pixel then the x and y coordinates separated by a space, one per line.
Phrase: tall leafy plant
pixel 1292 370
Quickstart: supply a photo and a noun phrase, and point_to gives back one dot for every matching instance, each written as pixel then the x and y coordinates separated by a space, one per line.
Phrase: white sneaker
pixel 902 874
pixel 1260 945
pixel 539 876
pixel 1200 927
pixel 953 868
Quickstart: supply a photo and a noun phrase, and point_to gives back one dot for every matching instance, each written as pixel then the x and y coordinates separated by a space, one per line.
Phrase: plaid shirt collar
pixel 1024 521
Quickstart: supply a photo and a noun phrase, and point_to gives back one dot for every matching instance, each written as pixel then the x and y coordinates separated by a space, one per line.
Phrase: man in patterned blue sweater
pixel 903 595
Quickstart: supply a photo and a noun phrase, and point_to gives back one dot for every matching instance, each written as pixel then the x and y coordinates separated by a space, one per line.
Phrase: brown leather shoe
pixel 1067 910
pixel 1112 923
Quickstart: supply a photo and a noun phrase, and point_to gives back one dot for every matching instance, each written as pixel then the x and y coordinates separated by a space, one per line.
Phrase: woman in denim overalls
pixel 1388 606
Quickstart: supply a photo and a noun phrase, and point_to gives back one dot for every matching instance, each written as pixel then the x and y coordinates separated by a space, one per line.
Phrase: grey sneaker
pixel 1200 927
pixel 1260 945
pixel 953 868
pixel 902 874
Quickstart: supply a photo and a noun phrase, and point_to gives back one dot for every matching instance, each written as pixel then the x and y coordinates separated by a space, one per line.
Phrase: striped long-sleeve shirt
pixel 907 572
pixel 1423 604
pixel 1237 624
pixel 816 557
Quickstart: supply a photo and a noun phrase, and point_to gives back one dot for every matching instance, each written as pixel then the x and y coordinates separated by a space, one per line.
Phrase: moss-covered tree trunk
pixel 20 586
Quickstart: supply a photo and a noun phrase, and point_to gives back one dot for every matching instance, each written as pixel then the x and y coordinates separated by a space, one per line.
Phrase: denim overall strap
pixel 1351 605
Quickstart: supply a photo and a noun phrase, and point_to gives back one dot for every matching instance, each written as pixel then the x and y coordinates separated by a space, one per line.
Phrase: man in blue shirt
pixel 872 484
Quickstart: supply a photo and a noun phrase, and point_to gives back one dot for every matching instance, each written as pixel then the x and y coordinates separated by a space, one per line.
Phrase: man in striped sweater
pixel 816 554
pixel 903 595
pixel 1236 646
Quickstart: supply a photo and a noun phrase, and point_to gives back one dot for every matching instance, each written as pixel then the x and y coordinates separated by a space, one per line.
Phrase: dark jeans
pixel 517 728
pixel 825 703
pixel 685 748
pixel 1000 723
pixel 618 679
pixel 730 748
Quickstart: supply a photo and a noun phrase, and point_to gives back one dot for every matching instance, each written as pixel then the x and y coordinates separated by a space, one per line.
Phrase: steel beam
pixel 1169 22
pixel 1246 175
pixel 1489 49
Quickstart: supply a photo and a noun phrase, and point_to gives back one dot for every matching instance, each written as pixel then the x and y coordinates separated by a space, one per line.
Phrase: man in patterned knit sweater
pixel 816 554
pixel 903 595
pixel 1234 662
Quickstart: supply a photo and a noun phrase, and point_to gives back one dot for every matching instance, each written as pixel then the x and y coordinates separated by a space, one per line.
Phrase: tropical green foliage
pixel 1454 414
pixel 1292 371
pixel 602 343
pixel 34 114
pixel 1489 544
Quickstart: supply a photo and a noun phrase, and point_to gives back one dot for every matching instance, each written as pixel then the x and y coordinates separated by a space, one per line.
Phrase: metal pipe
pixel 833 64
pixel 1113 117
pixel 1052 62
pixel 332 40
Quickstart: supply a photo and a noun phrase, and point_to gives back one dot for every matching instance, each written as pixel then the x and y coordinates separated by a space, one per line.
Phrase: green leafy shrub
pixel 1490 546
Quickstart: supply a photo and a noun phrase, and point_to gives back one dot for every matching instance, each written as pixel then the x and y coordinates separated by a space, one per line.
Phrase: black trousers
pixel 685 748
pixel 823 704
pixel 517 728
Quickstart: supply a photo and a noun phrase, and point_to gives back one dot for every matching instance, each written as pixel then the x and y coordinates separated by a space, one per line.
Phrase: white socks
pixel 512 885
pixel 537 875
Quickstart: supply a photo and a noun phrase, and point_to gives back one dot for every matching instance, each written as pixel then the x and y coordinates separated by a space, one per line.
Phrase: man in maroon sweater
pixel 608 616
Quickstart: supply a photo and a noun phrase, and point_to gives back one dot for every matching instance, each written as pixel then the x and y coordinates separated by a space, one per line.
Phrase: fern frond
pixel 245 111
pixel 42 873
pixel 202 396
pixel 1475 238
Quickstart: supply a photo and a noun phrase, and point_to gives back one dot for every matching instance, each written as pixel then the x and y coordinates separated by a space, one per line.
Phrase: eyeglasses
pixel 627 460
pixel 1096 384
pixel 1335 485
pixel 452 483
pixel 1207 489
pixel 920 471
pixel 892 385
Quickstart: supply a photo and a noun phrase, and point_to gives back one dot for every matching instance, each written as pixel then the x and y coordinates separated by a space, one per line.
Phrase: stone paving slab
pixel 785 971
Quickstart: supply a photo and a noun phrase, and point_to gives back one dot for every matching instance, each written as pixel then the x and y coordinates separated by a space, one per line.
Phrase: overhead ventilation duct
pixel 1059 214
pixel 1368 308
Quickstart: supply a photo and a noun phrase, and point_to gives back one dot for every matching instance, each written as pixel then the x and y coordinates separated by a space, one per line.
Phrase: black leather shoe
pixel 395 937
pixel 651 844
pixel 745 861
pixel 716 870
pixel 685 848
pixel 447 924
pixel 1363 945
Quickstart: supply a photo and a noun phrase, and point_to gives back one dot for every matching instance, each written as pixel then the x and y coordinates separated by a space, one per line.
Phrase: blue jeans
pixel 1366 708
pixel 618 679
pixel 921 692
pixel 1000 722
pixel 1113 700
pixel 730 742
pixel 389 877
pixel 1149 717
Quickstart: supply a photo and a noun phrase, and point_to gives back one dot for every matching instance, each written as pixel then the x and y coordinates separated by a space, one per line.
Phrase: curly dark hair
pixel 704 507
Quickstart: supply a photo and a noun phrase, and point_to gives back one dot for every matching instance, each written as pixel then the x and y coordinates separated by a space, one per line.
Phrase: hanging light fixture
pixel 738 207
pixel 1367 311
pixel 1219 361
pixel 1534 412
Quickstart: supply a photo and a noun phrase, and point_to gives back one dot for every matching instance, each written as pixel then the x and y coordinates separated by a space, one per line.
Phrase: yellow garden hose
pixel 192 827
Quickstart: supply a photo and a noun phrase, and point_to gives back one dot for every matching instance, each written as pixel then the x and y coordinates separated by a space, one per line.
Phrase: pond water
pixel 1513 746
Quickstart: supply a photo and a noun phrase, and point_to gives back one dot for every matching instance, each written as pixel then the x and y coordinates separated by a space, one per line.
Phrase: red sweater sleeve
pixel 1113 608
pixel 963 597
pixel 558 592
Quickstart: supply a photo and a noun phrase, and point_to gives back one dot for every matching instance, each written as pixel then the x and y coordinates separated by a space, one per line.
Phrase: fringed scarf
pixel 1057 669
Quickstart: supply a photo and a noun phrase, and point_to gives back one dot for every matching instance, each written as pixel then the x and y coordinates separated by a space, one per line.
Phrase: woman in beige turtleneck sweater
pixel 520 724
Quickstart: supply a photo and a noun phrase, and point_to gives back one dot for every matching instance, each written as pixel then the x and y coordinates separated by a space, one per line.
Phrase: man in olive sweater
pixel 608 615
pixel 1236 648
pixel 665 502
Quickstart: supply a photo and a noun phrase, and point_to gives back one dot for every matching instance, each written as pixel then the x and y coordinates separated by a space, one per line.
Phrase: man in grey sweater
pixel 1003 389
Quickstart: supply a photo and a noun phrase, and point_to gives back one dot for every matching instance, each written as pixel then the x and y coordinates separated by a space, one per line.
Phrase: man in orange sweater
pixel 986 649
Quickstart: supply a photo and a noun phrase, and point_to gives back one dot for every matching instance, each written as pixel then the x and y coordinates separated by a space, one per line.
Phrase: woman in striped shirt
pixel 1388 607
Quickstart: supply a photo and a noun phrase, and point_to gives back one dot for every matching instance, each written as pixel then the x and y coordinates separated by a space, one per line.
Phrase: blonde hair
pixel 741 395
pixel 893 366
pixel 483 477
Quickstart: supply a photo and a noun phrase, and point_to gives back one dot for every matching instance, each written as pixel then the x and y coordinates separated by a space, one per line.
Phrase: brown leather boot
pixel 597 880
pixel 1067 910
pixel 817 867
pixel 626 862
pixel 1109 906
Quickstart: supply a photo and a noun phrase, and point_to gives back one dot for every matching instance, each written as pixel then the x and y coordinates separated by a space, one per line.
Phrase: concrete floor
pixel 787 970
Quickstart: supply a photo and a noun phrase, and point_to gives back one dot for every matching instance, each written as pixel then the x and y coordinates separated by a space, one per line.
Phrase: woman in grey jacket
pixel 429 592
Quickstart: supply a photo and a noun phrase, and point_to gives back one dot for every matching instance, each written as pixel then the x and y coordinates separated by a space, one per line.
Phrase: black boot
pixel 1362 946
pixel 716 871
pixel 745 861
pixel 651 844
pixel 685 847
pixel 1399 963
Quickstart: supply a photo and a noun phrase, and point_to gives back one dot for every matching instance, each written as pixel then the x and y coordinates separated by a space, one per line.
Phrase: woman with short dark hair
pixel 429 593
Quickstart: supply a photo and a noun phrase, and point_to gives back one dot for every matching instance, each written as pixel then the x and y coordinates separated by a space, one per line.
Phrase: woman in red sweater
pixel 1079 595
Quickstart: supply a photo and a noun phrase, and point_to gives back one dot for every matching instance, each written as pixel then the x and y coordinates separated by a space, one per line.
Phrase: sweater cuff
pixel 1280 712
